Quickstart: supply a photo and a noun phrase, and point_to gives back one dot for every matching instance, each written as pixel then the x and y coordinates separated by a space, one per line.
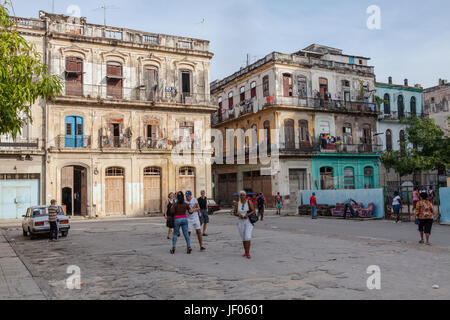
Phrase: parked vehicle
pixel 35 222
pixel 212 206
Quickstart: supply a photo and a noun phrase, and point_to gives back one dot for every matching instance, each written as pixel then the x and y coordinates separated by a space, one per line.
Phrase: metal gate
pixel 16 196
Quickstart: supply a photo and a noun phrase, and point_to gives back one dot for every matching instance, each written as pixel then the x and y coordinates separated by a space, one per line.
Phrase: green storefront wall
pixel 365 169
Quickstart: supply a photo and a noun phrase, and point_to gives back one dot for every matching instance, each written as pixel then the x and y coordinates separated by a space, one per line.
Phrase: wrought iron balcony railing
pixel 73 142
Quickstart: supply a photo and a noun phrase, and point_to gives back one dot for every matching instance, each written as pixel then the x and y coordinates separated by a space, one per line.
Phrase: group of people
pixel 189 214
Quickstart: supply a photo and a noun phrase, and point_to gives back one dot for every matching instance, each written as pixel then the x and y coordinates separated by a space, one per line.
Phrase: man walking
pixel 261 201
pixel 194 218
pixel 203 204
pixel 313 203
pixel 53 211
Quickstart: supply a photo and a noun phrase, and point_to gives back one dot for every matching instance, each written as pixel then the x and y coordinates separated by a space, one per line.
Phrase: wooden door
pixel 289 134
pixel 114 195
pixel 152 192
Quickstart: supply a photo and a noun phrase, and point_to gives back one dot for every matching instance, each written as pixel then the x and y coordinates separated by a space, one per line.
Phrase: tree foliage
pixel 426 148
pixel 23 77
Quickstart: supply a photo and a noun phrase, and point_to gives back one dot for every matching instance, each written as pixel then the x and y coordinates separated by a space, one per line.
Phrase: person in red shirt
pixel 313 203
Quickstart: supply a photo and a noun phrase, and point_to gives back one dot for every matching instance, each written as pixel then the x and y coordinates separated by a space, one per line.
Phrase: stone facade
pixel 131 100
pixel 316 91
pixel 437 105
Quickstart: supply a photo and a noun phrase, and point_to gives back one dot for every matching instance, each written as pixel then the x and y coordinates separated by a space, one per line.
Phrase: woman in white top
pixel 244 209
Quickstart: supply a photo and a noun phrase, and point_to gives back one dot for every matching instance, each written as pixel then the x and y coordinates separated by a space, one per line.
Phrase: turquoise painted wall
pixel 341 161
pixel 444 195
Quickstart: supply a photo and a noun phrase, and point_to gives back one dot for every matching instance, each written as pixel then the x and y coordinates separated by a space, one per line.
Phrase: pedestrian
pixel 53 211
pixel 415 197
pixel 424 213
pixel 261 201
pixel 203 204
pixel 431 194
pixel 313 203
pixel 170 202
pixel 348 204
pixel 244 209
pixel 194 218
pixel 278 203
pixel 178 211
pixel 422 190
pixel 397 205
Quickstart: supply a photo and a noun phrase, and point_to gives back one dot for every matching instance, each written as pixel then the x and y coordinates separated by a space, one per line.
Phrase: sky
pixel 413 41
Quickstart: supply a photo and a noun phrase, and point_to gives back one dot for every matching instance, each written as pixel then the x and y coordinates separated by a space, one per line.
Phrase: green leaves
pixel 430 149
pixel 23 77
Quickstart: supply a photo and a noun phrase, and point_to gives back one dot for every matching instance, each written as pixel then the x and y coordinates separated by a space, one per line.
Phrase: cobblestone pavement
pixel 293 258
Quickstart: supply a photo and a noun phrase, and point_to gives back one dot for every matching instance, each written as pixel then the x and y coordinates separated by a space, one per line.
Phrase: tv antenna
pixel 104 7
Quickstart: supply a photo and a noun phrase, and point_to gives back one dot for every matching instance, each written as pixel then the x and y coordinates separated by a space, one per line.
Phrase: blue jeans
pixel 183 223
pixel 313 211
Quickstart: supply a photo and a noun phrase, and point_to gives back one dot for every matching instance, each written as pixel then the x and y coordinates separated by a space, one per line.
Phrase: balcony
pixel 9 143
pixel 358 148
pixel 149 144
pixel 115 143
pixel 73 142
pixel 394 116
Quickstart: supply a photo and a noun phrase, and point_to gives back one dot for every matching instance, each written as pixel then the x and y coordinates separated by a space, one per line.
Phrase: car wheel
pixel 64 234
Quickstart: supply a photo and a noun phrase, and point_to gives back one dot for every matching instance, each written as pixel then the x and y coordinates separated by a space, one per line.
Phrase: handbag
pixel 253 218
pixel 416 221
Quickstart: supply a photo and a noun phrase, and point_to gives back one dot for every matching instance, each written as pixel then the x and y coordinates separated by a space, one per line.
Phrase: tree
pixel 23 77
pixel 426 148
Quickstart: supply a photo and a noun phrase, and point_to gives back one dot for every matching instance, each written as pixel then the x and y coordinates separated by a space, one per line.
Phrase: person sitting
pixel 348 204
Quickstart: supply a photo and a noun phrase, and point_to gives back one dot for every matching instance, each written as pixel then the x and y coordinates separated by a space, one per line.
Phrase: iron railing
pixel 19 143
pixel 73 142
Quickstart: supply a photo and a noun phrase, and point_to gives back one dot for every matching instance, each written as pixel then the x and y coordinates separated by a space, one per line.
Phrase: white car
pixel 35 222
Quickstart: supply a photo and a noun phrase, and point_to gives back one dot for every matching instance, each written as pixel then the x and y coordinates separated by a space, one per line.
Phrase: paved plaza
pixel 293 258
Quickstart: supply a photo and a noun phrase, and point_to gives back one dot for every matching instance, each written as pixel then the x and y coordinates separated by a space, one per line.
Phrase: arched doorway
pixel 74 190
pixel 152 190
pixel 115 191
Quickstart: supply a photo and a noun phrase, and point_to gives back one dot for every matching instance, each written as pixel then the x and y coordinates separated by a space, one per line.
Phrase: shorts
pixel 245 229
pixel 205 217
pixel 194 224
pixel 278 205
pixel 425 225
pixel 397 208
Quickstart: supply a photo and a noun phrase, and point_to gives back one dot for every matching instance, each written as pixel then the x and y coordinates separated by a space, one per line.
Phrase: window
pixel 266 92
pixel 242 93
pixel 267 137
pixel 287 85
pixel 351 60
pixel 368 178
pixel 401 106
pixel 389 140
pixel 323 87
pixel 220 103
pixel 346 83
pixel 74 76
pixel 109 34
pixel 413 107
pixel 152 171
pixel 302 88
pixel 326 178
pixel 304 133
pixel 387 104
pixel 348 133
pixel 150 39
pixel 230 100
pixel 349 178
pixel 151 83
pixel 114 80
pixel 402 142
pixel 114 172
pixel 187 171
pixel 74 132
pixel 186 83
pixel 253 89
pixel 324 127
pixel 289 134
pixel 360 61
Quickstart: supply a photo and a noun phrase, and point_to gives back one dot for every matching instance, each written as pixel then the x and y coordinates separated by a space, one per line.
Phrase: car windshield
pixel 44 211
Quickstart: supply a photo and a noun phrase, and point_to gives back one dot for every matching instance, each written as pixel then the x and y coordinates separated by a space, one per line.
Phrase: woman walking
pixel 178 211
pixel 244 209
pixel 170 202
pixel 415 197
pixel 424 212
pixel 397 205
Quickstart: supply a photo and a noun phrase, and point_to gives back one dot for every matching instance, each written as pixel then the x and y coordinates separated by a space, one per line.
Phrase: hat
pixel 188 193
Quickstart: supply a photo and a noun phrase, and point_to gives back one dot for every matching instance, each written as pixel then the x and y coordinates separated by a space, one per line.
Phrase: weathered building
pixel 437 104
pixel 321 102
pixel 130 99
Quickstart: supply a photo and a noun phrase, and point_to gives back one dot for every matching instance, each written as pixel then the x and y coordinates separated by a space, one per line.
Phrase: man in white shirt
pixel 194 218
